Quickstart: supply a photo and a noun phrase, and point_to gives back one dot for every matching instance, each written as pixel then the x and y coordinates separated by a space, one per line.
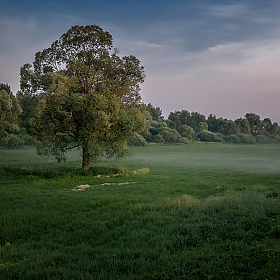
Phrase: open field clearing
pixel 198 211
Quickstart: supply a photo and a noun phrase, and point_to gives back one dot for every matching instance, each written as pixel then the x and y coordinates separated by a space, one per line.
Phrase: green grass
pixel 199 211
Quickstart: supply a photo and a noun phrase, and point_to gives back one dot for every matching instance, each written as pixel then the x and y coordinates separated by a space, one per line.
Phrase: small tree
pixel 9 110
pixel 90 98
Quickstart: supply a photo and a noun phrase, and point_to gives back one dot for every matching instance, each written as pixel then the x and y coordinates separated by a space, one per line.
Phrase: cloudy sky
pixel 209 56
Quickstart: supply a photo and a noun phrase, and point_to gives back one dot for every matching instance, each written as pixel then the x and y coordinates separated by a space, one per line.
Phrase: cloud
pixel 216 57
pixel 229 10
pixel 21 38
pixel 228 80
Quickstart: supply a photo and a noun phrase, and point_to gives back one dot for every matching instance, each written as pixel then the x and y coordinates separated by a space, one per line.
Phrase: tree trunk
pixel 86 157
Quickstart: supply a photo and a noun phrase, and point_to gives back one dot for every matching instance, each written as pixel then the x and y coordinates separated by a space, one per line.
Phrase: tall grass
pixel 170 215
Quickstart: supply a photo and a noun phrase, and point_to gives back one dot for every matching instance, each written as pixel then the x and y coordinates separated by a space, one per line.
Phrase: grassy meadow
pixel 197 211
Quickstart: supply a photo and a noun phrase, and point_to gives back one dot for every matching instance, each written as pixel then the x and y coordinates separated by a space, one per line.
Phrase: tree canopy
pixel 90 95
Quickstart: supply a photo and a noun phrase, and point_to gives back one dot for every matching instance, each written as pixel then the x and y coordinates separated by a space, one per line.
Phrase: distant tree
pixel 175 117
pixel 185 117
pixel 155 112
pixel 9 111
pixel 274 129
pixel 269 128
pixel 7 88
pixel 214 124
pixel 91 96
pixel 171 124
pixel 267 125
pixel 244 126
pixel 229 127
pixel 256 126
pixel 195 119
pixel 28 104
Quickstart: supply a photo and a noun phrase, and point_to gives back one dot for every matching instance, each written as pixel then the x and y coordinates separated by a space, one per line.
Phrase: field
pixel 198 211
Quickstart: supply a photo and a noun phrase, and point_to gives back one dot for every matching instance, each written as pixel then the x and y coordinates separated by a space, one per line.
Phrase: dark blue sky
pixel 220 57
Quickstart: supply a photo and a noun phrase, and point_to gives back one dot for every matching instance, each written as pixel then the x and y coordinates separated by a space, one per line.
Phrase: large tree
pixel 90 96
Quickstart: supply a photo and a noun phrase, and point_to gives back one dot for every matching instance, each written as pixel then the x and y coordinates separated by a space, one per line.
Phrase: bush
pixel 170 135
pixel 12 141
pixel 139 140
pixel 185 140
pixel 3 134
pixel 27 140
pixel 220 135
pixel 171 124
pixel 232 139
pixel 158 138
pixel 263 139
pixel 267 139
pixel 246 138
pixel 153 131
pixel 186 131
pixel 155 124
pixel 274 138
pixel 208 136
pixel 150 138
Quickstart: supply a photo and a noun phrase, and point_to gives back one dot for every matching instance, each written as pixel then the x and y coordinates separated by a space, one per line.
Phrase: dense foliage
pixel 185 127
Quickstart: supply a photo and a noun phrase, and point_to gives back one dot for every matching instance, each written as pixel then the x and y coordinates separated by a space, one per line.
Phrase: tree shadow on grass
pixel 49 172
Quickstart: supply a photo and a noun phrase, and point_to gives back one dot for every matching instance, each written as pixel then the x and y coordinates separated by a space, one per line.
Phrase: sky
pixel 207 56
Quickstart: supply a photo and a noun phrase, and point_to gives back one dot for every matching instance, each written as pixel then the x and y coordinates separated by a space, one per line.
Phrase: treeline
pixel 186 127
pixel 17 113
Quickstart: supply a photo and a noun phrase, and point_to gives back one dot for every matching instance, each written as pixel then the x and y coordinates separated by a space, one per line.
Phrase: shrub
pixel 232 139
pixel 158 138
pixel 186 131
pixel 28 140
pixel 208 136
pixel 185 140
pixel 3 134
pixel 263 139
pixel 171 124
pixel 246 138
pixel 153 130
pixel 170 135
pixel 220 135
pixel 150 138
pixel 12 141
pixel 203 126
pixel 267 139
pixel 274 138
pixel 155 124
pixel 139 140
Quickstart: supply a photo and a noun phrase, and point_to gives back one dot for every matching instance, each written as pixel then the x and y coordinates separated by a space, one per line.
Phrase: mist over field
pixel 263 159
